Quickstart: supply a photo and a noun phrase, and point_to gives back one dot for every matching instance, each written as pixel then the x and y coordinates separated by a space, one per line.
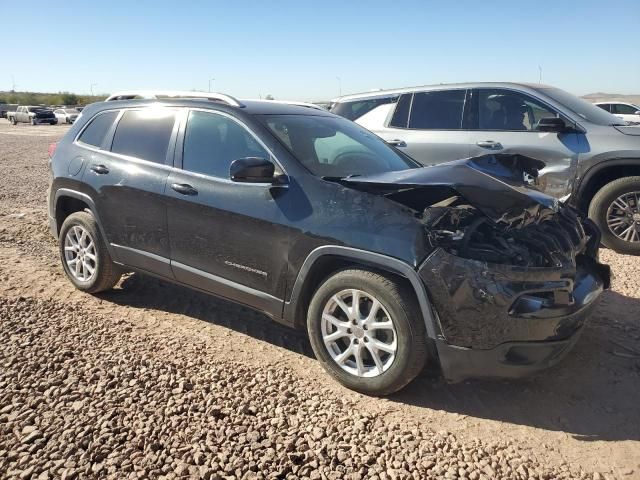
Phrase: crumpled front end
pixel 512 274
pixel 510 298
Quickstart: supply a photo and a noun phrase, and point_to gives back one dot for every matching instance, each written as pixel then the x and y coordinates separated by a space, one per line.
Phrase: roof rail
pixel 288 102
pixel 155 94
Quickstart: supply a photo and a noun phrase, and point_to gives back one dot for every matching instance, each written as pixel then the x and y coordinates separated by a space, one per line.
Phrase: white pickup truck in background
pixel 33 115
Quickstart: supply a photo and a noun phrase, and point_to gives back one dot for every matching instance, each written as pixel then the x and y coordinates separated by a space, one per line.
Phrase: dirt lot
pixel 155 380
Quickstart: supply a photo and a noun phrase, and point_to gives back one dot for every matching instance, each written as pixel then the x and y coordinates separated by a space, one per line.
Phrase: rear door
pixel 129 172
pixel 505 121
pixel 428 127
pixel 227 238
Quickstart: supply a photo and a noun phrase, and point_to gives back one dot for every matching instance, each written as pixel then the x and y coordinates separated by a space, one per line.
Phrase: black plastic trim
pixel 604 164
pixel 369 258
pixel 144 260
pixel 227 289
pixel 66 192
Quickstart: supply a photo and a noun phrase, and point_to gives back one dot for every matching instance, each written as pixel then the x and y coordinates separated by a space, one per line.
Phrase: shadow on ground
pixel 592 394
pixel 147 292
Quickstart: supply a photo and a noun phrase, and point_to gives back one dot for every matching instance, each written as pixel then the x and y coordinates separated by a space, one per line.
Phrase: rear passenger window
pixel 212 142
pixel 605 106
pixel 98 127
pixel 440 110
pixel 144 134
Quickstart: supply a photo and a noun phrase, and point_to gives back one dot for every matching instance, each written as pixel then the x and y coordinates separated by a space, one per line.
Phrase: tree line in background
pixel 60 98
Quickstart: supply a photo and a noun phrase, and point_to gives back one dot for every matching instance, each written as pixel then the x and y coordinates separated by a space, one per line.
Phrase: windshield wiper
pixel 335 179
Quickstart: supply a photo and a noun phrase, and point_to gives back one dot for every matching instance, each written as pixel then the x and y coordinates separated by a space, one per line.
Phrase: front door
pixel 226 237
pixel 505 122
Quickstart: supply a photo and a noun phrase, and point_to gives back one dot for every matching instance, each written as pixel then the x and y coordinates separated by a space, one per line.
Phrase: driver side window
pixel 212 142
pixel 511 111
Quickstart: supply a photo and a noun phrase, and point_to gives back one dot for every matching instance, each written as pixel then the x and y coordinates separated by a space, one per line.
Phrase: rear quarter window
pixel 356 109
pixel 144 134
pixel 98 127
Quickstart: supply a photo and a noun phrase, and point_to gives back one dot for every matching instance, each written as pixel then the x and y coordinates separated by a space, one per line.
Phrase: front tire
pixel 33 121
pixel 367 331
pixel 616 210
pixel 84 255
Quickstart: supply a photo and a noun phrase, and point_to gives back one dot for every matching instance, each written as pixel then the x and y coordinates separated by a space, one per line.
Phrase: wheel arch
pixel 69 201
pixel 325 260
pixel 599 175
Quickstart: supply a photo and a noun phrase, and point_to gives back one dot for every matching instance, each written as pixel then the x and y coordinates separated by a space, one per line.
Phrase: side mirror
pixel 252 170
pixel 552 124
pixel 637 112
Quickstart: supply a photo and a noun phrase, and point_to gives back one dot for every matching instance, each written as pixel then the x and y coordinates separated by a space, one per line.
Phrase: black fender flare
pixel 375 260
pixel 67 192
pixel 592 172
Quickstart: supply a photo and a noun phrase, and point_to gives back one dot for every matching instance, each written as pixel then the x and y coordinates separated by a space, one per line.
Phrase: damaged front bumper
pixel 499 320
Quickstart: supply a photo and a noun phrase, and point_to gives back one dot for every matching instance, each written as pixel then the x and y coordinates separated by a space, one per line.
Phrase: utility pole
pixel 91 88
pixel 211 79
pixel 339 86
pixel 540 74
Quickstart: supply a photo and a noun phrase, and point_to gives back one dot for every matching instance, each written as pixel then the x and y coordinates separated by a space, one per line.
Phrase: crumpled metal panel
pixel 473 299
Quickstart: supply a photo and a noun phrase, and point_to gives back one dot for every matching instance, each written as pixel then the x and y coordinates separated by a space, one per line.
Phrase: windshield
pixel 335 147
pixel 581 107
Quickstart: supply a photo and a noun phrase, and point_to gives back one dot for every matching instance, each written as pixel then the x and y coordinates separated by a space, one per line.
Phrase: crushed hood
pixel 494 184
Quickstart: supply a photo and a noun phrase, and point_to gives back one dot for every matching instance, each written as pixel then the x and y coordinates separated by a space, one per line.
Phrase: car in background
pixel 7 107
pixel 626 111
pixel 592 158
pixel 32 114
pixel 66 115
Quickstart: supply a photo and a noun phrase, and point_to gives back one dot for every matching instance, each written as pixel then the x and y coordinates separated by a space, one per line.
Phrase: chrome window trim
pixel 77 141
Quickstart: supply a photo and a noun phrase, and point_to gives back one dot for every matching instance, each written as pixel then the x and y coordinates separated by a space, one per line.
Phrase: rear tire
pixel 398 323
pixel 13 121
pixel 93 270
pixel 617 223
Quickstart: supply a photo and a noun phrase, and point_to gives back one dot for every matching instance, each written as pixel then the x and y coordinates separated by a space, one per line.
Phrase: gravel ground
pixel 154 380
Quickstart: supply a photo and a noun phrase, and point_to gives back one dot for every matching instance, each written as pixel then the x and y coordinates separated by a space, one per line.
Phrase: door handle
pixel 99 169
pixel 490 144
pixel 184 189
pixel 397 143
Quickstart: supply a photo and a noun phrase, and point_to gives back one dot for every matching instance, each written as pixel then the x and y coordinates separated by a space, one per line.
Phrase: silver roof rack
pixel 156 94
pixel 287 102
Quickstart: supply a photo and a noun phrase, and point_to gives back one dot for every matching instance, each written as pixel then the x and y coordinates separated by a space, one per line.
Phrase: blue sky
pixel 296 49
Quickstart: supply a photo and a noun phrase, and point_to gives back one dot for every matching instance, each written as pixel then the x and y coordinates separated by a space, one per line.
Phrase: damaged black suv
pixel 318 223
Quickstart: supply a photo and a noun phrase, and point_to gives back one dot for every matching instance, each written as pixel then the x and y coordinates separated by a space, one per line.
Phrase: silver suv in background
pixel 592 157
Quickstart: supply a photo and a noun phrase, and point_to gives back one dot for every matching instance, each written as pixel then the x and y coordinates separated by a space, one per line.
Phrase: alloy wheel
pixel 359 333
pixel 80 253
pixel 623 217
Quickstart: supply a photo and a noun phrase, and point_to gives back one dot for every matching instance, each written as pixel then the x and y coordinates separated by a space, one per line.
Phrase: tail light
pixel 52 149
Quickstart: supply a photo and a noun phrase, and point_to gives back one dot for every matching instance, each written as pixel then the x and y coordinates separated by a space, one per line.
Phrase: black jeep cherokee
pixel 318 223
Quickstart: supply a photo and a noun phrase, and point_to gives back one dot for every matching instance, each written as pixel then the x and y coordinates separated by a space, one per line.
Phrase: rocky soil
pixel 153 380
